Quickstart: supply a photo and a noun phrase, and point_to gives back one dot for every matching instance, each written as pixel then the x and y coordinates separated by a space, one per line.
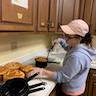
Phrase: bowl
pixel 41 61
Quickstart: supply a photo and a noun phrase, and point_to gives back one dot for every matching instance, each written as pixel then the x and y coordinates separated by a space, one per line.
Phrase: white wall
pixel 17 45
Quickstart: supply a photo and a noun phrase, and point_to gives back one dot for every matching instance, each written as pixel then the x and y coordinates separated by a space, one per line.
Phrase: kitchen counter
pixel 93 64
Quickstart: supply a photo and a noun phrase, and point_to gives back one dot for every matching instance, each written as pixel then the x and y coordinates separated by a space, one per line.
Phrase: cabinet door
pixel 18 15
pixel 53 93
pixel 93 19
pixel 46 15
pixel 92 88
pixel 86 89
pixel 68 10
pixel 92 83
pixel 88 10
pixel 53 15
pixel 43 6
pixel 0 10
pixel 89 14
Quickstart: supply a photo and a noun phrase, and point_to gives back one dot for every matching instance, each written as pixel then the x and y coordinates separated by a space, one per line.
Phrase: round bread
pixel 3 70
pixel 13 65
pixel 13 74
pixel 26 68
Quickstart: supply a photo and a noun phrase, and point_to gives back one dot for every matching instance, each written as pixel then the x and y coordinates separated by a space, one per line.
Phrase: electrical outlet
pixel 13 45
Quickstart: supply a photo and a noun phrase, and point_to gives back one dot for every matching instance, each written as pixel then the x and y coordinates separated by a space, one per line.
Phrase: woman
pixel 72 76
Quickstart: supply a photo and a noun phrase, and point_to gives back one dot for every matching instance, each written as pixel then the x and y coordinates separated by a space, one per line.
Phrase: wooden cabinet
pixel 16 15
pixel 92 83
pixel 93 19
pixel 68 10
pixel 87 88
pixel 89 14
pixel 53 93
pixel 47 11
pixel 92 89
pixel 87 11
pixel 45 15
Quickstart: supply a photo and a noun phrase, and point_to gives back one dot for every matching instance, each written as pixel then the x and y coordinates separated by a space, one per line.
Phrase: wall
pixel 18 46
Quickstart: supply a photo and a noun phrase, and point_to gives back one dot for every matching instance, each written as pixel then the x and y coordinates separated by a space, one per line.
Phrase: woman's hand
pixel 34 70
pixel 43 73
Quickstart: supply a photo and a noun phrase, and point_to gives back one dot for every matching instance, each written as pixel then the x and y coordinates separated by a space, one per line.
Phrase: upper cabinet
pixel 68 10
pixel 46 15
pixel 17 15
pixel 89 14
pixel 93 19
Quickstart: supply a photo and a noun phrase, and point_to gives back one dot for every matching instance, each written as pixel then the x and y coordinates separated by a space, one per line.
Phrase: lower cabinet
pixel 92 88
pixel 53 93
pixel 91 84
pixel 86 90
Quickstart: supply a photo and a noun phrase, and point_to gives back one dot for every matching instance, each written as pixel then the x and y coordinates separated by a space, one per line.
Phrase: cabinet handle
pixel 42 24
pixel 19 15
pixel 59 24
pixel 52 24
pixel 94 75
pixel 94 84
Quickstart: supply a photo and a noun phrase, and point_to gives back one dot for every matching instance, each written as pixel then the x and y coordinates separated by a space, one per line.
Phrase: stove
pixel 49 86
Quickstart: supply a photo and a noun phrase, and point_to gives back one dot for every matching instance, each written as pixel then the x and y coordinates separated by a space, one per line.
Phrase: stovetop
pixel 49 86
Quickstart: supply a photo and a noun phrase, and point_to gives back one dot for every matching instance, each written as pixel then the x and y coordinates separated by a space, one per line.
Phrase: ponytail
pixel 87 39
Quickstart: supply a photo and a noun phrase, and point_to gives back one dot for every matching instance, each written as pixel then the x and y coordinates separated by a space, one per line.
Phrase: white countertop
pixel 93 64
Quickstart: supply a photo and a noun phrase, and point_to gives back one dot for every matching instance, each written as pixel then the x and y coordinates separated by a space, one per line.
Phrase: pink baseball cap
pixel 76 27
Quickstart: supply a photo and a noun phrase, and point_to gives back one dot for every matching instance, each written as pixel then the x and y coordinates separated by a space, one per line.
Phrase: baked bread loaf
pixel 13 65
pixel 13 74
pixel 26 68
pixel 3 70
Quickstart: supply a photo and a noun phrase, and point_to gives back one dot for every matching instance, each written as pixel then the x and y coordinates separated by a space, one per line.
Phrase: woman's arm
pixel 42 73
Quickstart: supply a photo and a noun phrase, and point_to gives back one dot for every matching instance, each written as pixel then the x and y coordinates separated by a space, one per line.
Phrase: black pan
pixel 19 87
pixel 43 64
